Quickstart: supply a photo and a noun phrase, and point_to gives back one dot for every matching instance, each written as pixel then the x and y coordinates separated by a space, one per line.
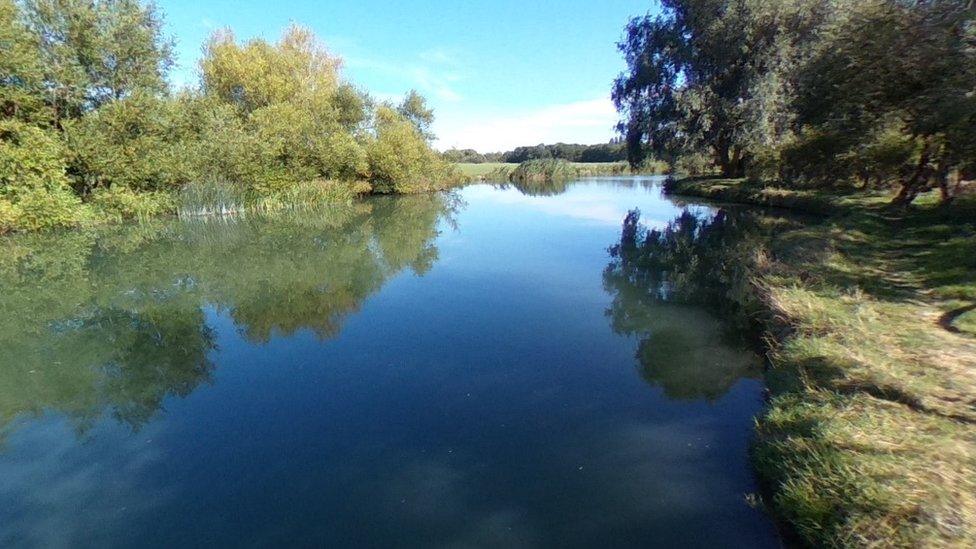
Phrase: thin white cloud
pixel 437 81
pixel 439 56
pixel 590 121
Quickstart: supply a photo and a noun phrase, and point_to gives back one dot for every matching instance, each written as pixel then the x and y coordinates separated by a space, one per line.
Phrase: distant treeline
pixel 615 151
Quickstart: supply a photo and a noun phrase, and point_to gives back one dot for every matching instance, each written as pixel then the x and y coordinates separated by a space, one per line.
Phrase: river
pixel 440 370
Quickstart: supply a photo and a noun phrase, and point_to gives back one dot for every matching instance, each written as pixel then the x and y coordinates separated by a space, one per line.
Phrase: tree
pixel 297 69
pixel 414 108
pixel 97 51
pixel 20 66
pixel 298 120
pixel 702 75
pixel 907 65
pixel 400 159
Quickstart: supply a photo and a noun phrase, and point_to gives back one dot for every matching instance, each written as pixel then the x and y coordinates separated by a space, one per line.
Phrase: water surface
pixel 414 371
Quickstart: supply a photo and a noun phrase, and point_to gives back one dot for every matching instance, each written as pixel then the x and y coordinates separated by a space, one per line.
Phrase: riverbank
pixel 545 169
pixel 117 205
pixel 869 438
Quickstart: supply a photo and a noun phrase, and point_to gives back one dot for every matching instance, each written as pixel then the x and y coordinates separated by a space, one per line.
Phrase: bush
pixel 273 125
pixel 543 170
pixel 30 159
pixel 303 147
pixel 811 159
pixel 34 192
pixel 883 158
pixel 400 159
pixel 141 143
pixel 229 153
pixel 44 210
pixel 9 214
pixel 694 165
pixel 340 156
pixel 120 203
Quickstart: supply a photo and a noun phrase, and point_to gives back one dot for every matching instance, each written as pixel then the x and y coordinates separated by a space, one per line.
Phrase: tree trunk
pixel 736 164
pixel 942 178
pixel 722 158
pixel 911 186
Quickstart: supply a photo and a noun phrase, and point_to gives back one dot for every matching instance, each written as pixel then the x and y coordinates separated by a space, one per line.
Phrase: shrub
pixel 30 159
pixel 229 153
pixel 40 209
pixel 141 143
pixel 811 159
pixel 694 164
pixel 340 156
pixel 9 213
pixel 400 159
pixel 120 203
pixel 543 170
pixel 883 158
pixel 303 147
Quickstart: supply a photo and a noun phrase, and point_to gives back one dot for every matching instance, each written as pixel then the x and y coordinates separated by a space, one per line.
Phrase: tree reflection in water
pixel 685 291
pixel 117 322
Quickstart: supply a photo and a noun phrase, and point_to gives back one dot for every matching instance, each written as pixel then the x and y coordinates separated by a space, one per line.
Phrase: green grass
pixel 870 435
pixel 475 171
pixel 500 171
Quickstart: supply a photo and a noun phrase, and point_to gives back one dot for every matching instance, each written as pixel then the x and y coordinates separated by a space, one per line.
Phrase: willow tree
pixel 908 65
pixel 704 77
pixel 20 66
pixel 97 51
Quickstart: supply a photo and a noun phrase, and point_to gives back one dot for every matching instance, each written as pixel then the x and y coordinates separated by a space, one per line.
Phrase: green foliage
pixel 414 108
pixel 96 52
pixel 464 156
pixel 258 74
pixel 121 203
pixel 9 214
pixel 21 72
pixel 543 170
pixel 803 93
pixel 604 152
pixel 30 159
pixel 292 119
pixel 84 105
pixel 701 77
pixel 400 159
pixel 40 209
pixel 34 189
pixel 141 143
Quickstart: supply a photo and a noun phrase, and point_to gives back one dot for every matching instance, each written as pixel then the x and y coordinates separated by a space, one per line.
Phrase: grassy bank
pixel 543 169
pixel 475 172
pixel 870 434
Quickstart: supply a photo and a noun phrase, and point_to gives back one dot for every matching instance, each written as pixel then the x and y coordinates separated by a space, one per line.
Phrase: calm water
pixel 417 371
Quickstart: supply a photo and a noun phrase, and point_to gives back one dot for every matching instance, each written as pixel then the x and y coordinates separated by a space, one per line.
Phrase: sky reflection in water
pixel 413 371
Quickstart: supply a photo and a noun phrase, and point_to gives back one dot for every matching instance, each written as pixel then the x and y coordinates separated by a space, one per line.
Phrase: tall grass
pixel 219 198
pixel 211 198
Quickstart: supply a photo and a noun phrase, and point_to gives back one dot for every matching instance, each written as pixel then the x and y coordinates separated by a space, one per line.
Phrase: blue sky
pixel 499 74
